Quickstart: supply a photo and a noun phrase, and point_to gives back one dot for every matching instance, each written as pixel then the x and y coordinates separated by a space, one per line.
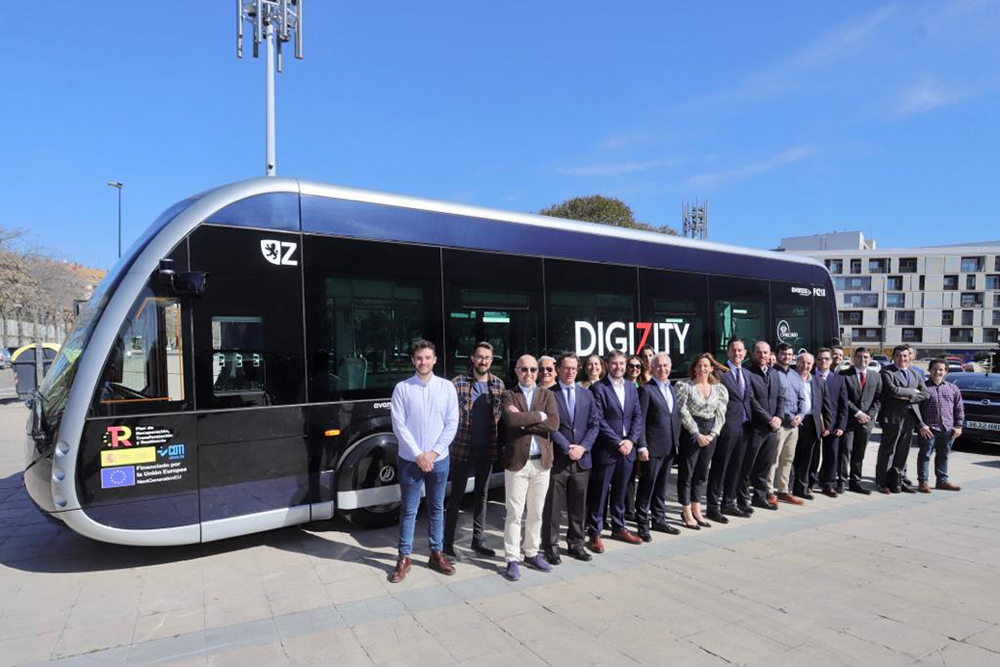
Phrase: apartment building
pixel 940 299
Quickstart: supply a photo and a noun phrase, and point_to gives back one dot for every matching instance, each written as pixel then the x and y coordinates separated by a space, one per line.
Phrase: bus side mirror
pixel 190 283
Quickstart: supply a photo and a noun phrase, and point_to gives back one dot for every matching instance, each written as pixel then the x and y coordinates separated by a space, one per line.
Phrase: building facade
pixel 940 299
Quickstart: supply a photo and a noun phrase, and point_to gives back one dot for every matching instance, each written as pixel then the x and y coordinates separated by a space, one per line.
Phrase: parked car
pixel 881 359
pixel 4 358
pixel 981 399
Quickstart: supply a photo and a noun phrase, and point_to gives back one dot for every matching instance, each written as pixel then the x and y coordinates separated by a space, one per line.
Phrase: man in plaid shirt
pixel 944 417
pixel 475 446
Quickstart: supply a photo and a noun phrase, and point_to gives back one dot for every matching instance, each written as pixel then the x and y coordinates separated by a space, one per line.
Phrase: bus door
pixel 250 381
pixel 792 319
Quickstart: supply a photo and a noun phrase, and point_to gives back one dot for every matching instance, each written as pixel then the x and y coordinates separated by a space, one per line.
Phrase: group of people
pixel 743 437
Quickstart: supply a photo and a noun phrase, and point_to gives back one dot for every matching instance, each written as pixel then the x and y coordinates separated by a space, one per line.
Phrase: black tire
pixel 376 468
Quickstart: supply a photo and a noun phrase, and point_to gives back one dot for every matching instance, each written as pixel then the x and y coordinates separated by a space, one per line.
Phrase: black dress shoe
pixel 692 526
pixel 732 510
pixel 806 494
pixel 644 535
pixel 764 505
pixel 449 553
pixel 840 487
pixel 552 555
pixel 483 550
pixel 906 488
pixel 857 488
pixel 578 552
pixel 717 516
pixel 666 528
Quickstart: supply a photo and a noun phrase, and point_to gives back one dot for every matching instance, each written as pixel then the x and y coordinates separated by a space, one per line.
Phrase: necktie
pixel 571 403
pixel 739 380
pixel 864 376
pixel 906 378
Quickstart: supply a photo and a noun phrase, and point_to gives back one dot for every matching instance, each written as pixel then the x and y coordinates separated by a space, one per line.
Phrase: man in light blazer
pixel 579 422
pixel 724 474
pixel 531 416
pixel 661 426
pixel 864 400
pixel 903 390
pixel 614 452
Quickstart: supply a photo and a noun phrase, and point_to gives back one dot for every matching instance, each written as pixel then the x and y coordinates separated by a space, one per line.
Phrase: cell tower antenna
pixel 272 23
pixel 694 219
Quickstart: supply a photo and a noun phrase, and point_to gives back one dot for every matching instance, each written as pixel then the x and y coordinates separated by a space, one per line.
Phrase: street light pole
pixel 118 186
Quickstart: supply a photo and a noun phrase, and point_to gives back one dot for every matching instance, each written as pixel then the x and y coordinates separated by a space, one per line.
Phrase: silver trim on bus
pixel 220 529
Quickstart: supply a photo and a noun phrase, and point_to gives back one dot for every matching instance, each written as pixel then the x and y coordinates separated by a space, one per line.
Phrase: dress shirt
pixel 667 394
pixel 792 392
pixel 807 393
pixel 424 416
pixel 528 392
pixel 943 411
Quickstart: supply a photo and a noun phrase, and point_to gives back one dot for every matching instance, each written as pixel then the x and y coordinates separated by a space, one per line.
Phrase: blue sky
pixel 788 117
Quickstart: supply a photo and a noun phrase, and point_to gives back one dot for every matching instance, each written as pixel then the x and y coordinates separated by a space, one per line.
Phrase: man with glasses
pixel 475 447
pixel 424 420
pixel 546 372
pixel 531 416
pixel 614 452
pixel 578 425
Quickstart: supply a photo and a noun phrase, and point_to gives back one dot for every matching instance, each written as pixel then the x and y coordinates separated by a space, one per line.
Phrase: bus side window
pixel 238 355
pixel 146 362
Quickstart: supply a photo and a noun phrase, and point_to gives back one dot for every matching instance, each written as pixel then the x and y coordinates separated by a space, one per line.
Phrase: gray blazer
pixel 899 399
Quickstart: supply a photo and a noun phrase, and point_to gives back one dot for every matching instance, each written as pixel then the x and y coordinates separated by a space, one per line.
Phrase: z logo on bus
pixel 279 253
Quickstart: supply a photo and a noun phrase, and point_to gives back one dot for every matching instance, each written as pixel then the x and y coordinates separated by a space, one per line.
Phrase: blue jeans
pixel 941 444
pixel 411 483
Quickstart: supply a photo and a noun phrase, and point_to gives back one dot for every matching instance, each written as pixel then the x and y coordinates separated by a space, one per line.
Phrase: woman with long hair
pixel 702 400
pixel 594 370
pixel 633 369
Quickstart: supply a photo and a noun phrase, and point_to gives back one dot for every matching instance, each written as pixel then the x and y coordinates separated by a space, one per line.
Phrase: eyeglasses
pixel 549 369
pixel 635 365
pixel 525 369
pixel 481 358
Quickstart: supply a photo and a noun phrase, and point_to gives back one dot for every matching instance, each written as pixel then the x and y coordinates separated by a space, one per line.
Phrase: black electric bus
pixel 232 373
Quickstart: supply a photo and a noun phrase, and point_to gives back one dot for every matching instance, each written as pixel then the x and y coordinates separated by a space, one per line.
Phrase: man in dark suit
pixel 661 423
pixel 765 408
pixel 736 433
pixel 864 400
pixel 614 452
pixel 578 426
pixel 903 390
pixel 813 428
pixel 836 391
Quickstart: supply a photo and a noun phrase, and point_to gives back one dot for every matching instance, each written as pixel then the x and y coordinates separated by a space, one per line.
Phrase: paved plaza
pixel 886 580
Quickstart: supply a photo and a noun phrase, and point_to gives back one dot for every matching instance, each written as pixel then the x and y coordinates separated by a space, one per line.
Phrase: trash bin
pixel 23 361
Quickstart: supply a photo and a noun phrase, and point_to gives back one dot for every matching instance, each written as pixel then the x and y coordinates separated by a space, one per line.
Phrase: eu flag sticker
pixel 112 478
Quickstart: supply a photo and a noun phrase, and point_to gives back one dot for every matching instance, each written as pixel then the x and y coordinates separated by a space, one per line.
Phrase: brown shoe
pixel 948 486
pixel 595 544
pixel 627 537
pixel 402 567
pixel 772 500
pixel 790 499
pixel 883 489
pixel 924 487
pixel 439 563
pixel 829 491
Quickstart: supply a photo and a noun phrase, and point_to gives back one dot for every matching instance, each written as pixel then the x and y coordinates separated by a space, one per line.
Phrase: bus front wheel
pixel 370 470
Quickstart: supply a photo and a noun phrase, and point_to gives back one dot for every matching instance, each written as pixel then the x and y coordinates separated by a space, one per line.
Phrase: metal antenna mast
pixel 271 21
pixel 694 220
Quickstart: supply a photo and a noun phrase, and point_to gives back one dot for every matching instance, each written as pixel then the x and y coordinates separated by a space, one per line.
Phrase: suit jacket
pixel 616 423
pixel 661 427
pixel 868 401
pixel 521 426
pixel 899 400
pixel 765 400
pixel 836 390
pixel 738 405
pixel 579 429
pixel 821 405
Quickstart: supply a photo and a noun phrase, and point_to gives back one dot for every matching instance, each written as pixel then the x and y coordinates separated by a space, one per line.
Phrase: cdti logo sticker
pixel 279 253
pixel 630 337
pixel 117 436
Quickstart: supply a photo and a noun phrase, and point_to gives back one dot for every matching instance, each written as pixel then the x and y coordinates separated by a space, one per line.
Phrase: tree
pixel 603 210
pixel 17 285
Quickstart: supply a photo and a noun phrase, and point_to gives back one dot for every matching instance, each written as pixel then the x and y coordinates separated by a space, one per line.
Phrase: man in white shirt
pixel 425 420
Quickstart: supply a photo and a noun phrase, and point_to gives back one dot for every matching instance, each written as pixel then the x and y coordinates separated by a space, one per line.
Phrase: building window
pixel 996 263
pixel 836 266
pixel 973 264
pixel 878 265
pixel 951 282
pixel 993 282
pixel 922 279
pixel 855 317
pixel 881 318
pixel 972 299
pixel 863 283
pixel 906 317
pixel 961 335
pixel 996 300
pixel 855 266
pixel 996 317
pixel 915 335
pixel 907 264
pixel 966 318
pixel 970 282
pixel 861 300
pixel 897 300
pixel 866 335
pixel 990 336
pixel 894 283
pixel 947 317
